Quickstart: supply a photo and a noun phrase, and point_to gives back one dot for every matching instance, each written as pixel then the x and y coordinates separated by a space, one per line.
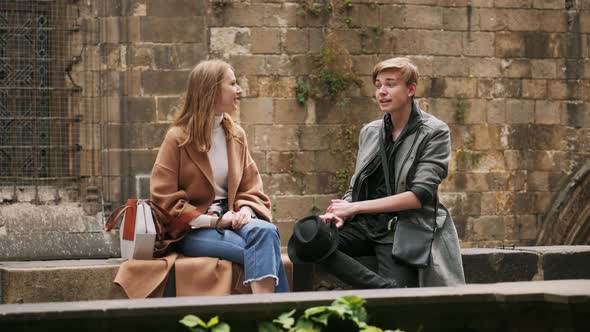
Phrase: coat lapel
pixel 202 161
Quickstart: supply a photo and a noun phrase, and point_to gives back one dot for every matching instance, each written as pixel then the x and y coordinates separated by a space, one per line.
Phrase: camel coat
pixel 182 184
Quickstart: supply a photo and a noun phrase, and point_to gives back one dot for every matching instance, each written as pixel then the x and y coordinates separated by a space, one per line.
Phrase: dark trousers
pixel 353 242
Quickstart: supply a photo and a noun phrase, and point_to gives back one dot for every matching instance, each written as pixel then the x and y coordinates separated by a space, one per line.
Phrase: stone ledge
pixel 527 306
pixel 481 265
pixel 91 279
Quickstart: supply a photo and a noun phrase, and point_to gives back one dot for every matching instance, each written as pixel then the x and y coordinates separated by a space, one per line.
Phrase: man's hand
pixel 342 209
pixel 332 218
pixel 241 217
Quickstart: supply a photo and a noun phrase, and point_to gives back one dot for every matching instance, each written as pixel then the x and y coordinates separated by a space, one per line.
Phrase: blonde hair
pixel 198 113
pixel 408 69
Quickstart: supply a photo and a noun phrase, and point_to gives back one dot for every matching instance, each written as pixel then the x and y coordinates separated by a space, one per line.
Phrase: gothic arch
pixel 568 220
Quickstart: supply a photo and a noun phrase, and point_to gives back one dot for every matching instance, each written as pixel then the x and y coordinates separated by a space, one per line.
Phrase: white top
pixel 218 159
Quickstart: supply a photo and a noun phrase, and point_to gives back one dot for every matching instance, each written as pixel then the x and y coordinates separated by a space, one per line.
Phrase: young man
pixel 417 147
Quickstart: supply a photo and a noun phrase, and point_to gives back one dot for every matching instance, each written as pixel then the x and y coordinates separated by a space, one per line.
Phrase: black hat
pixel 312 241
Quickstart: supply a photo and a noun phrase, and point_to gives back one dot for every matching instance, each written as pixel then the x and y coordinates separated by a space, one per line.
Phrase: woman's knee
pixel 262 228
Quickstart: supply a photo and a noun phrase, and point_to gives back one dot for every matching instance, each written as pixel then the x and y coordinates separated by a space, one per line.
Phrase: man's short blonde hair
pixel 408 69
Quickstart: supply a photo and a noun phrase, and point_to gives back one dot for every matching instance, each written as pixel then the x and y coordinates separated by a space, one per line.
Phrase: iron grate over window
pixel 38 110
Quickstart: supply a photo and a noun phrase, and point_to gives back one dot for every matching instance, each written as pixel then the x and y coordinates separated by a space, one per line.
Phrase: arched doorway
pixel 568 221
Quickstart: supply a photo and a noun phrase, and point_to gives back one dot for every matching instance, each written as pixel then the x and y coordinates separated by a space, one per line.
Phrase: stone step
pixel 562 305
pixel 91 279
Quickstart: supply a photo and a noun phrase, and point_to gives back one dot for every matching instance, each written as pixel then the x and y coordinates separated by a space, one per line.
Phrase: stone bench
pixel 481 265
pixel 77 280
pixel 562 305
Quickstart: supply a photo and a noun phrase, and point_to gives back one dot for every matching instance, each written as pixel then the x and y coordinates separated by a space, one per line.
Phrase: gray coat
pixel 421 161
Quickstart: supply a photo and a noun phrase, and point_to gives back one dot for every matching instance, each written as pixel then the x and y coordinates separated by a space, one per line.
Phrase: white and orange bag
pixel 139 230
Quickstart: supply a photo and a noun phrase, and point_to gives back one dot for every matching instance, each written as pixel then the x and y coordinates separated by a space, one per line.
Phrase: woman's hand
pixel 226 220
pixel 342 209
pixel 241 217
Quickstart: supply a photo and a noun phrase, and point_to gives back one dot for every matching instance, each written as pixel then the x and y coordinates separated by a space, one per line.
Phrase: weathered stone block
pixel 429 42
pixel 273 86
pixel 292 208
pixel 284 138
pixel 231 41
pixel 561 262
pixel 284 15
pixel 260 160
pixel 544 69
pixel 491 19
pixel 265 40
pixel 176 8
pixel 171 82
pixel 289 111
pixel 280 162
pixel 499 88
pixel 456 19
pixel 576 115
pixel 509 44
pixel 280 184
pixel 256 110
pixel 534 89
pixel 548 4
pixel 173 29
pixel 523 20
pixel 513 3
pixel 317 183
pixel 364 15
pixel 449 66
pixel 279 65
pixel 548 112
pixel 483 67
pixel 486 228
pixel 248 64
pixel 35 282
pixel 552 21
pixel 520 111
pixel 494 265
pixel 496 111
pixel 546 137
pixel 423 17
pixel 169 107
pixel 316 137
pixel 119 29
pixel 296 41
pixel 244 14
pixel 515 68
pixel 179 56
pixel 478 43
pixel 392 16
pixel 515 159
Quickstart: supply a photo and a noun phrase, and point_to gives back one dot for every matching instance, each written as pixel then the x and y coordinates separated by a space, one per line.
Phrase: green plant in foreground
pixel 195 324
pixel 344 314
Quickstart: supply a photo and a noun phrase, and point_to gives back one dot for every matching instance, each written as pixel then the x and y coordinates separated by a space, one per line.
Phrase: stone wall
pixel 511 77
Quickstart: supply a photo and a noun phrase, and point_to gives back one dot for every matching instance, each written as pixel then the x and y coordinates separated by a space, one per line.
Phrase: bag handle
pixel 385 166
pixel 114 217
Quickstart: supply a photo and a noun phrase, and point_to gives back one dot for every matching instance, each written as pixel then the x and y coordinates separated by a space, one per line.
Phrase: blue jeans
pixel 256 246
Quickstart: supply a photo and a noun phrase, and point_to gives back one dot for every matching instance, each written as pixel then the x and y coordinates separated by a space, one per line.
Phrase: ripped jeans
pixel 256 246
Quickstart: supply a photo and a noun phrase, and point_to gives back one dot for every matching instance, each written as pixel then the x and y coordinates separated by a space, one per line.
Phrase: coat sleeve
pixel 164 183
pixel 250 192
pixel 432 162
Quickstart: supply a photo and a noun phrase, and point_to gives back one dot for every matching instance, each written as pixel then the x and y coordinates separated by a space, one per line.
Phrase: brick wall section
pixel 511 78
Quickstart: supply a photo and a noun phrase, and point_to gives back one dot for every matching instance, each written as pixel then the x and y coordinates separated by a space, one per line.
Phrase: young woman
pixel 205 177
